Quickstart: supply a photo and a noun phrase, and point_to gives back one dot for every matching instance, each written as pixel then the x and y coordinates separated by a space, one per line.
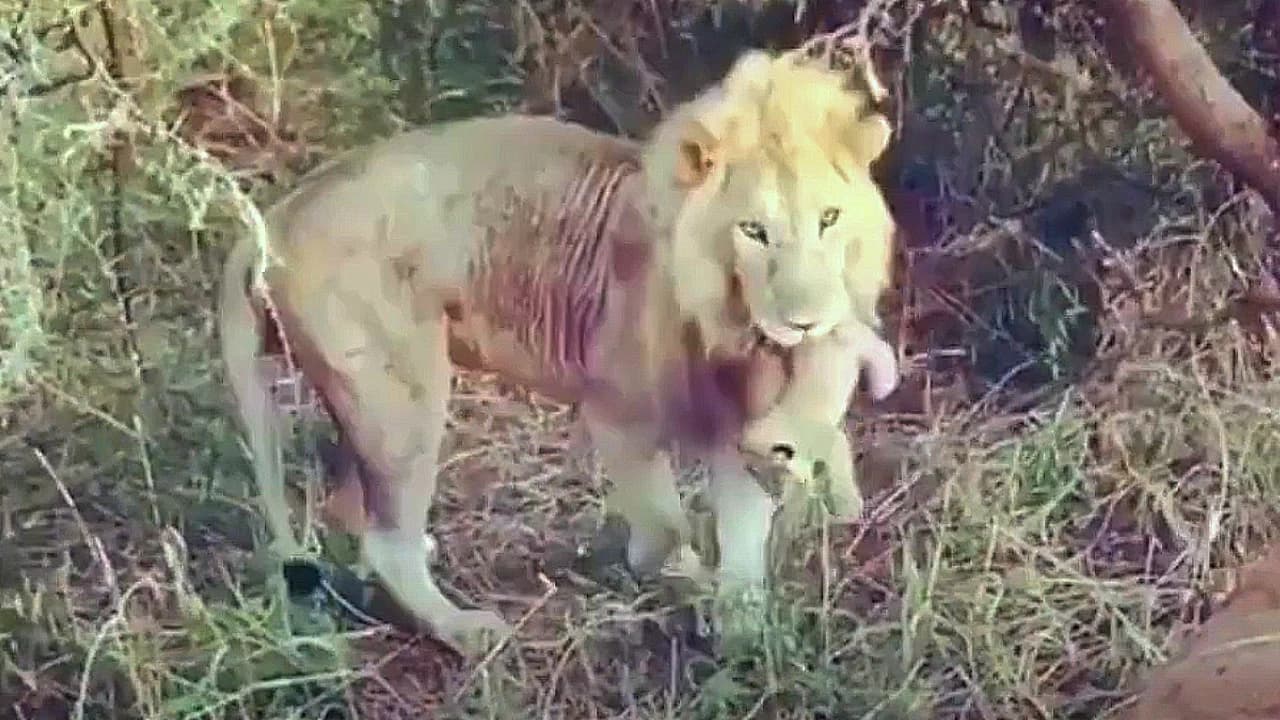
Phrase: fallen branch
pixel 1219 121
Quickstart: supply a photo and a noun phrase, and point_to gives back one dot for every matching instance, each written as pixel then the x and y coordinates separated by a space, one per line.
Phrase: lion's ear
pixel 868 138
pixel 872 131
pixel 863 129
pixel 696 155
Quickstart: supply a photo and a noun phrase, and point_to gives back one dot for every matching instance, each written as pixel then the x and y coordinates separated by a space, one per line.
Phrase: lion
pixel 712 287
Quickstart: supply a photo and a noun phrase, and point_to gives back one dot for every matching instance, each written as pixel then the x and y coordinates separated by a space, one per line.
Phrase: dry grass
pixel 1082 449
pixel 1010 566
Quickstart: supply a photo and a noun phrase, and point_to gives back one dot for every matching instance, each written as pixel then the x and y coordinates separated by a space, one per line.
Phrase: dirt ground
pixel 1228 668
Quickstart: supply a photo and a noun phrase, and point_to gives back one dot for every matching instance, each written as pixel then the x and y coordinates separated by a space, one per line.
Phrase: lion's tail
pixel 240 338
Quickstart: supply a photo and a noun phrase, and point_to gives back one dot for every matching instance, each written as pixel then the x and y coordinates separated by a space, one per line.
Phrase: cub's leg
pixel 844 496
pixel 644 491
pixel 392 402
pixel 807 422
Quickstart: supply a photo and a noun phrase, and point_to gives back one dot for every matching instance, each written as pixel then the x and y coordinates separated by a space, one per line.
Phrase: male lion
pixel 746 235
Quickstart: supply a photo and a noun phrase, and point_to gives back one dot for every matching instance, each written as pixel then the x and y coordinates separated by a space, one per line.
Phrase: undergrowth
pixel 1074 462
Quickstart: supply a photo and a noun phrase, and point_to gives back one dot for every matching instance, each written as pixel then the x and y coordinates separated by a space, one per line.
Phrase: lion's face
pixel 777 216
pixel 791 240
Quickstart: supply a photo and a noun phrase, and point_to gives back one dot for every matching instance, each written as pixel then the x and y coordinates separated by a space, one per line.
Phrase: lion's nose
pixel 802 325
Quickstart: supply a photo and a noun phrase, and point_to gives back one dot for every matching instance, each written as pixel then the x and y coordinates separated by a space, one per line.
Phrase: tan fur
pixel 571 262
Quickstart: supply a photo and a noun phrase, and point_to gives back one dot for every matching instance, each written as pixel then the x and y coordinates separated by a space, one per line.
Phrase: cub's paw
pixel 837 486
pixel 473 633
pixel 878 360
pixel 843 499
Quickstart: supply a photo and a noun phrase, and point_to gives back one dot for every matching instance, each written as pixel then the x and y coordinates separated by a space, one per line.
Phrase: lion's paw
pixel 269 559
pixel 647 551
pixel 284 550
pixel 473 633
pixel 685 565
pixel 740 617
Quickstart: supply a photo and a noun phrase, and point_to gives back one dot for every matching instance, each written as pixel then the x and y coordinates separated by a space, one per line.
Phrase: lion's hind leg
pixel 391 404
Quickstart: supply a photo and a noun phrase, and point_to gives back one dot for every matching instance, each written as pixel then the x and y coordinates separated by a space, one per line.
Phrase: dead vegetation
pixel 1082 452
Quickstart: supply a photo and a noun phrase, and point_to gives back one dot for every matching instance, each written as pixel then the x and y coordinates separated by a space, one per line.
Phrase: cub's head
pixel 763 190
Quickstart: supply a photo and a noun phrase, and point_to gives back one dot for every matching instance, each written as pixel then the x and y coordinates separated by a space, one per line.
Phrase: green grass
pixel 998 594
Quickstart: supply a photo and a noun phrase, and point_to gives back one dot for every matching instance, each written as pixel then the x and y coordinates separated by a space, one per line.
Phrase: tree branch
pixel 1219 121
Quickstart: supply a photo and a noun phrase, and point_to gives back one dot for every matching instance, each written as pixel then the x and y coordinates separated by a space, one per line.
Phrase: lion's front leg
pixel 744 517
pixel 644 491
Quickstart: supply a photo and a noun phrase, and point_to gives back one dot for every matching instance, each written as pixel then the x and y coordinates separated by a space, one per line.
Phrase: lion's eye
pixel 755 231
pixel 829 218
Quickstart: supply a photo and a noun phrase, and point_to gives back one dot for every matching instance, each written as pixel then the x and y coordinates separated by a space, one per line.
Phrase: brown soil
pixel 1228 668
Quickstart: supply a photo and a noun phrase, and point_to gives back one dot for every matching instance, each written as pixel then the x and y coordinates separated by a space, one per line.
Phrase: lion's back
pixel 429 178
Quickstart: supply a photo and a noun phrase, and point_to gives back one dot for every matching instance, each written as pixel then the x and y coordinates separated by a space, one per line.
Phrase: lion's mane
pixel 752 114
